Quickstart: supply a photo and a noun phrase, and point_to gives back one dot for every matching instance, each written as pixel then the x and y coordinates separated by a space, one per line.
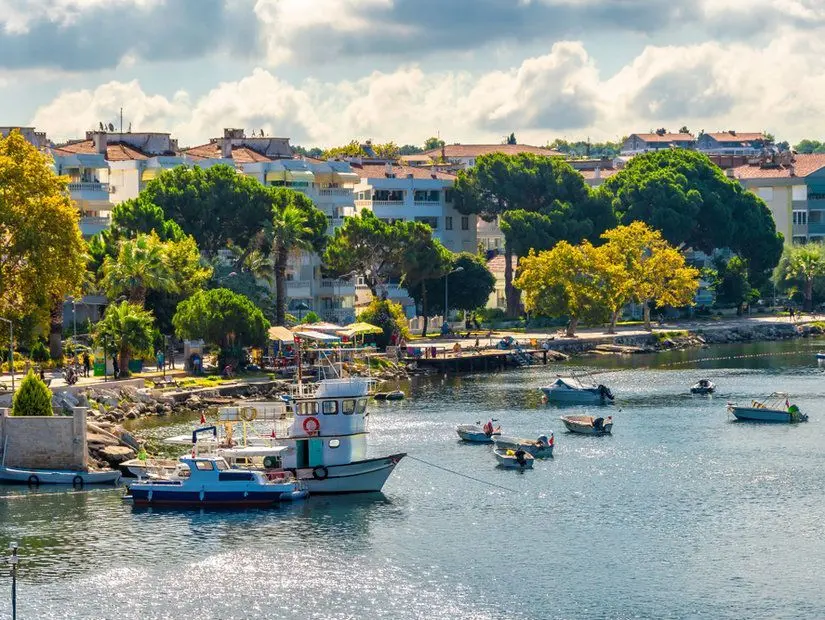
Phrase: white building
pixel 464 156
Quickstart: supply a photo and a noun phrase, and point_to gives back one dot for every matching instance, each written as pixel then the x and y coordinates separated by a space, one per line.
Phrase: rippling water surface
pixel 681 513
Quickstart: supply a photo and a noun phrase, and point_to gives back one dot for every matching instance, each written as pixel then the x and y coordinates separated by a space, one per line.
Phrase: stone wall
pixel 54 442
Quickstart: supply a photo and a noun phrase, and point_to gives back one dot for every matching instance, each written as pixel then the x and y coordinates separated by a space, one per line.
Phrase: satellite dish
pixel 111 127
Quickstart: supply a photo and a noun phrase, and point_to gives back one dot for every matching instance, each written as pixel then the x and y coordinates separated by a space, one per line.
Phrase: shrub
pixel 387 315
pixel 33 397
pixel 311 317
pixel 40 353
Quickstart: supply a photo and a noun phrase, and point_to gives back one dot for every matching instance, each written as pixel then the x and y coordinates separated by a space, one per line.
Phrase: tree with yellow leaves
pixel 42 252
pixel 566 281
pixel 649 270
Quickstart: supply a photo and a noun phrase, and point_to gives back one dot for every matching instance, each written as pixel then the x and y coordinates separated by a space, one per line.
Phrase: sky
pixel 324 72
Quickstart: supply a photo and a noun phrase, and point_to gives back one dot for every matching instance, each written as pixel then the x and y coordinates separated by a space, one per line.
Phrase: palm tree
pixel 804 262
pixel 141 264
pixel 288 235
pixel 126 328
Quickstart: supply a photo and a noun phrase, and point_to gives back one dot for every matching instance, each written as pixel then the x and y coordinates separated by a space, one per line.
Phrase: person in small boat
pixel 598 423
pixel 488 428
pixel 520 459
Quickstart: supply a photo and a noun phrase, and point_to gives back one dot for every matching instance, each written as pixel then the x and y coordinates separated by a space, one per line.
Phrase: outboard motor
pixel 605 392
pixel 520 457
pixel 598 424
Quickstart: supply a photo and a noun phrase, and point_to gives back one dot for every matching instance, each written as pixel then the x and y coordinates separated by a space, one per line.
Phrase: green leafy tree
pixel 223 318
pixel 690 200
pixel 297 225
pixel 410 149
pixel 389 150
pixel 582 148
pixel 216 205
pixel 141 264
pixel 389 316
pixel 126 329
pixel 353 149
pixel 310 317
pixel 39 353
pixel 469 287
pixel 423 258
pixel 433 143
pixel 803 264
pixel 33 398
pixel 732 284
pixel 547 186
pixel 366 246
pixel 807 147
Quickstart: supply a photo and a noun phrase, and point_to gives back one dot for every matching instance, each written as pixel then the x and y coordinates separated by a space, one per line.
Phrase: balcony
pixel 363 204
pixel 346 193
pixel 337 288
pixel 91 225
pixel 299 289
pixel 816 228
pixel 427 203
pixel 387 203
pixel 340 316
pixel 91 191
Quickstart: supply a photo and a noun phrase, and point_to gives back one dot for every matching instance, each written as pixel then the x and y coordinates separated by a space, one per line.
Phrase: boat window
pixel 308 408
pixel 329 407
pixel 221 465
pixel 204 465
pixel 362 405
pixel 348 406
pixel 334 443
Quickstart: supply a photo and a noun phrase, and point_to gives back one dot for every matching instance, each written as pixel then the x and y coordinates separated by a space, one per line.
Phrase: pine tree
pixel 33 397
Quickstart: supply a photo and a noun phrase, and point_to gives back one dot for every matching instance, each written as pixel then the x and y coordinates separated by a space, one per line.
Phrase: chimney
pixel 792 170
pixel 730 173
pixel 388 169
pixel 100 142
pixel 597 173
pixel 732 132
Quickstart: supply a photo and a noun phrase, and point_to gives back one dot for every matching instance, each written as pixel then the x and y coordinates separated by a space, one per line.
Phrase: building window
pixel 432 222
pixel 800 192
pixel 800 217
pixel 448 223
pixel 765 193
pixel 465 222
pixel 448 195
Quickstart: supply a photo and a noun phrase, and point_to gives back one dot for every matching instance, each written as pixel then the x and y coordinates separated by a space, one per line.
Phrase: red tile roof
pixel 476 150
pixel 666 137
pixel 240 154
pixel 499 262
pixel 115 151
pixel 379 171
pixel 737 137
pixel 803 165
pixel 604 173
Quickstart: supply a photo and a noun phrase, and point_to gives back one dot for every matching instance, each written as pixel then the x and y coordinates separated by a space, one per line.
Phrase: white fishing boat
pixel 514 459
pixel 77 478
pixel 539 448
pixel 588 424
pixel 212 482
pixel 478 433
pixel 703 386
pixel 572 390
pixel 776 407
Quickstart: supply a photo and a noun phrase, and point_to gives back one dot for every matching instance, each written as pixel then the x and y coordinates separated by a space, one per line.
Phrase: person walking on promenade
pixel 87 364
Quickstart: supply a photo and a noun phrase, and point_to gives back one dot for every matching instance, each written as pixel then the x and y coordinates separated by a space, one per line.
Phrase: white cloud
pixel 709 86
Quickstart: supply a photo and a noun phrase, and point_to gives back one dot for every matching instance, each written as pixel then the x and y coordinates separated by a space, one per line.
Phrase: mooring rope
pixel 458 473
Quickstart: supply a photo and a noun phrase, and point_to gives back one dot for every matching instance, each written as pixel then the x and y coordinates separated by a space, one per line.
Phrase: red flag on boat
pixel 787 403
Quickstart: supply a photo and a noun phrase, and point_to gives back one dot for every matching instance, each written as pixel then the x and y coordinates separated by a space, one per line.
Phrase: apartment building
pixel 464 156
pixel 731 143
pixel 637 143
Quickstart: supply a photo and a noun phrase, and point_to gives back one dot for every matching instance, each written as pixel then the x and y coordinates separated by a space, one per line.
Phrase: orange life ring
pixel 311 425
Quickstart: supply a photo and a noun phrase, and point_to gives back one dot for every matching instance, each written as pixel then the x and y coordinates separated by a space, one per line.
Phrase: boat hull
pixel 585 428
pixel 66 477
pixel 528 445
pixel 756 414
pixel 181 497
pixel 474 434
pixel 366 476
pixel 510 462
pixel 574 397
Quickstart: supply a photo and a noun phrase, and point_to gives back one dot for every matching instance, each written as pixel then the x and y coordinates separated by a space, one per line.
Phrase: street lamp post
pixel 446 285
pixel 11 350
pixel 300 308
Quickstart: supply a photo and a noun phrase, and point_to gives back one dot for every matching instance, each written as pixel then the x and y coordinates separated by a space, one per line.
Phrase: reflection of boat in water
pixel 573 390
pixel 588 424
pixel 775 408
pixel 394 395
pixel 513 459
pixel 209 481
pixel 539 448
pixel 820 356
pixel 703 386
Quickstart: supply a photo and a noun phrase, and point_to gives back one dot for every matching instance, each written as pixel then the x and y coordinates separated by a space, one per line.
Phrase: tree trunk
pixel 509 289
pixel 424 310
pixel 809 295
pixel 56 331
pixel 123 360
pixel 614 318
pixel 138 296
pixel 280 286
pixel 646 309
pixel 571 326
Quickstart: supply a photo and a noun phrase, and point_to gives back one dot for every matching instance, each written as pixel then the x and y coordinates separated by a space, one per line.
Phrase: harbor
pixel 652 513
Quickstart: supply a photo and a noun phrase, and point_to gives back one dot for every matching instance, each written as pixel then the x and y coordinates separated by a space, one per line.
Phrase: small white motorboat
pixel 211 482
pixel 539 448
pixel 820 356
pixel 776 407
pixel 476 433
pixel 703 386
pixel 77 478
pixel 514 459
pixel 572 390
pixel 588 424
